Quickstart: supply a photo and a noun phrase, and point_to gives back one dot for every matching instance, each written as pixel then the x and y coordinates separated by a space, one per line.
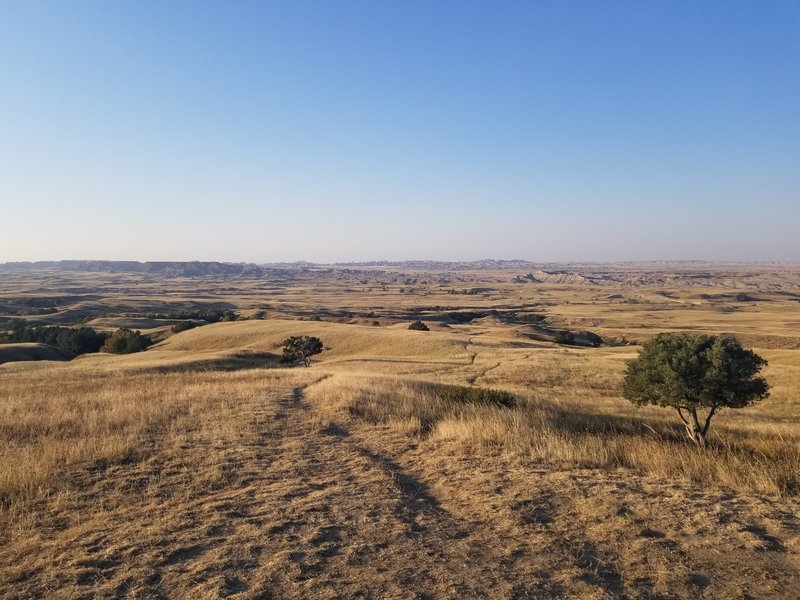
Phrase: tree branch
pixel 680 414
pixel 710 415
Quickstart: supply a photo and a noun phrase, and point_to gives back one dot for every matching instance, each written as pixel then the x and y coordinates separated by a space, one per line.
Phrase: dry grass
pixel 565 434
pixel 28 351
pixel 53 424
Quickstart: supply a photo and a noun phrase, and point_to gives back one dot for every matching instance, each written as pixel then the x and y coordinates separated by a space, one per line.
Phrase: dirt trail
pixel 295 510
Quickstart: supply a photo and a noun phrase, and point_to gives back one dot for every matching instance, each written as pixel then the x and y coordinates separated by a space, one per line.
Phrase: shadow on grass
pixel 238 361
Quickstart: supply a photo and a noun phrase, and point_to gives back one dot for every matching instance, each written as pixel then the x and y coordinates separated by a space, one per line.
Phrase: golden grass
pixel 572 434
pixel 29 351
pixel 53 423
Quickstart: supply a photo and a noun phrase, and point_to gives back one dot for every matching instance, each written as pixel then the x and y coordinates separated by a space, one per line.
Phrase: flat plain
pixel 204 468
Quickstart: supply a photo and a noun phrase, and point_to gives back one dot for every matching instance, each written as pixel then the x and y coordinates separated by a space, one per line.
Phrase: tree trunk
pixel 694 431
pixel 698 435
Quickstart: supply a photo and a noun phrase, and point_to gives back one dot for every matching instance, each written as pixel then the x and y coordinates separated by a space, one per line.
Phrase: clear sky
pixel 347 130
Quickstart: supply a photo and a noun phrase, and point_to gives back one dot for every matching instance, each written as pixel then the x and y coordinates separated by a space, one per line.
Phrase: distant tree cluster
pixel 77 340
pixel 80 340
pixel 210 315
pixel 126 341
pixel 183 326
pixel 469 292
pixel 564 336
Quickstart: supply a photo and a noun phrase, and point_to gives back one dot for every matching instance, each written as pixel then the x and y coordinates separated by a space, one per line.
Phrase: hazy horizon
pixel 422 260
pixel 340 132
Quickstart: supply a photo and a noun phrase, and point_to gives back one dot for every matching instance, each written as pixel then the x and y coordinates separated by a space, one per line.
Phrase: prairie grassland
pixel 56 421
pixel 202 468
pixel 761 458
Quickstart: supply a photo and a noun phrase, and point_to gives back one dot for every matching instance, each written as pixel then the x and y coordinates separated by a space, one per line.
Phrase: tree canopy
pixel 300 349
pixel 692 373
pixel 78 340
pixel 126 341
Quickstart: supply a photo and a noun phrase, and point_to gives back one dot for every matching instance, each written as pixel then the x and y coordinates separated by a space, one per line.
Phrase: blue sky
pixel 343 130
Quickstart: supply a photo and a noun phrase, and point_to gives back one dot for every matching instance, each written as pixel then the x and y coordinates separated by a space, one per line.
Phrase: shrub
pixel 418 326
pixel 523 319
pixel 183 326
pixel 125 341
pixel 300 349
pixel 693 372
pixel 592 338
pixel 564 336
pixel 475 395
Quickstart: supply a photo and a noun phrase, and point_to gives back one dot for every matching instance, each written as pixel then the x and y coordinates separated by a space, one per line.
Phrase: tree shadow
pixel 418 500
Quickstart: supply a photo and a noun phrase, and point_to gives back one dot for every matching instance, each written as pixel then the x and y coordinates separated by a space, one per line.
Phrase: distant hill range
pixel 166 269
pixel 536 271
pixel 439 265
pixel 521 271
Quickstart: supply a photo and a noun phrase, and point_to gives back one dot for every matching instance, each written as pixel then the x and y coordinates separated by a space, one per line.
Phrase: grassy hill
pixel 31 351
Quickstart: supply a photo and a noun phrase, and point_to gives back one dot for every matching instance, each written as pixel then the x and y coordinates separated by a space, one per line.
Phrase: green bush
pixel 126 341
pixel 183 326
pixel 300 349
pixel 564 336
pixel 418 326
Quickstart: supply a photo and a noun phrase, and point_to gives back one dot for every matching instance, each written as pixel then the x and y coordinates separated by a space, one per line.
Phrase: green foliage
pixel 592 338
pixel 523 318
pixel 300 349
pixel 79 340
pixel 564 336
pixel 210 315
pixel 418 326
pixel 691 372
pixel 475 395
pixel 183 326
pixel 315 318
pixel 126 341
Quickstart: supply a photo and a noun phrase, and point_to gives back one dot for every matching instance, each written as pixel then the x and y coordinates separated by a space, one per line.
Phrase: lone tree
pixel 695 374
pixel 300 349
